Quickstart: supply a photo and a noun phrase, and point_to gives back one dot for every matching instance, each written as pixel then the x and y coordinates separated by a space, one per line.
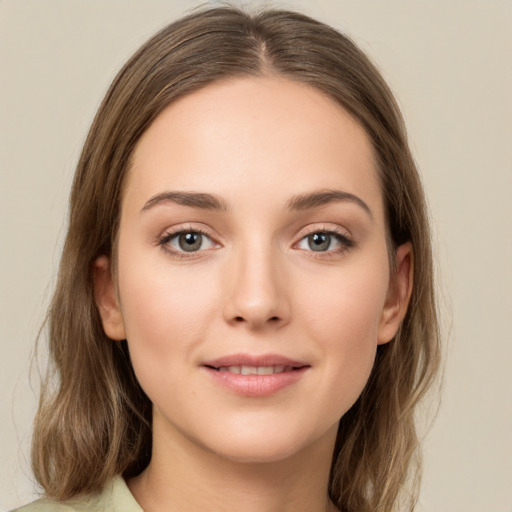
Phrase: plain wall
pixel 450 65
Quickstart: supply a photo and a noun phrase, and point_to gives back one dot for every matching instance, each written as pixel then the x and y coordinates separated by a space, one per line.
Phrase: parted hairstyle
pixel 94 420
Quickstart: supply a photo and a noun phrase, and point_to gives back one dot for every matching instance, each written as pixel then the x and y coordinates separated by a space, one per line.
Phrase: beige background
pixel 450 64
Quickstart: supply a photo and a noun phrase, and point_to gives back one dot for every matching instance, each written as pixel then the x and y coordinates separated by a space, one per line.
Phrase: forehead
pixel 246 137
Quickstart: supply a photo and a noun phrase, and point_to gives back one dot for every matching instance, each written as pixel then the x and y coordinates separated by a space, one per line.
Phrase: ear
pixel 106 299
pixel 399 294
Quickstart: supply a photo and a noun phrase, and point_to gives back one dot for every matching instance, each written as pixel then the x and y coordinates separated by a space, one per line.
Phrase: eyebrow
pixel 298 203
pixel 192 199
pixel 324 197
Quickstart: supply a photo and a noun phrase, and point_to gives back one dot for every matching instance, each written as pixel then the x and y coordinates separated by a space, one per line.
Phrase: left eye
pixel 188 241
pixel 322 242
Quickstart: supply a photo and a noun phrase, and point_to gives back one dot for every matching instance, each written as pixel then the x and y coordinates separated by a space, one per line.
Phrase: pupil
pixel 190 241
pixel 319 241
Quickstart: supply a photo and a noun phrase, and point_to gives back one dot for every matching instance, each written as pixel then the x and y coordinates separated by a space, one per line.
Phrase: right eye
pixel 187 242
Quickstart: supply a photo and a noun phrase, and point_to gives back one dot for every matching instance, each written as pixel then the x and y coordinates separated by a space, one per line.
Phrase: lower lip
pixel 256 385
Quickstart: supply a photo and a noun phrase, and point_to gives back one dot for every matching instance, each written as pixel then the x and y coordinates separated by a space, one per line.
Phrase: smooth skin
pixel 252 223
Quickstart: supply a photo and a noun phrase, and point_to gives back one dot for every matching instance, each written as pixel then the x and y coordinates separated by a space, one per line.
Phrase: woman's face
pixel 253 274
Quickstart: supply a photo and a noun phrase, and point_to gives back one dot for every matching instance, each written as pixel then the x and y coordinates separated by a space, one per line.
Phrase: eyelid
pixel 174 231
pixel 325 227
pixel 343 235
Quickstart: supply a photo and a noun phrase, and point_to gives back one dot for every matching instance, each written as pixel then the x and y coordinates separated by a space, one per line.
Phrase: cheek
pixel 344 319
pixel 347 303
pixel 166 310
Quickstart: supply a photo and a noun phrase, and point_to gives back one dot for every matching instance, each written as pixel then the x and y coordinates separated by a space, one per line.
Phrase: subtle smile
pixel 256 370
pixel 258 376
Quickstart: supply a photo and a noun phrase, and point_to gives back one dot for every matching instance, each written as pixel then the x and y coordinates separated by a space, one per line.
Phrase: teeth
pixel 255 370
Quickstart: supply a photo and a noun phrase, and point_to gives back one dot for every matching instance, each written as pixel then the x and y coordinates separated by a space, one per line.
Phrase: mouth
pixel 255 376
pixel 255 370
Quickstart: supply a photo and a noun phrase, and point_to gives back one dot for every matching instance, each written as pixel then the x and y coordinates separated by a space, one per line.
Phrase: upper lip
pixel 254 360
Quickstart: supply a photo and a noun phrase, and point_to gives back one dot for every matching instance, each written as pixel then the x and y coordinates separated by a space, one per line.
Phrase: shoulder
pixel 45 505
pixel 116 497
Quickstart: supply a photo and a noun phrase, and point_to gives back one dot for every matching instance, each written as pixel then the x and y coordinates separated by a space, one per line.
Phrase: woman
pixel 245 314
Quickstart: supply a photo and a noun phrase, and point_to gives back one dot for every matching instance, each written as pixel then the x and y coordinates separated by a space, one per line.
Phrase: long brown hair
pixel 94 420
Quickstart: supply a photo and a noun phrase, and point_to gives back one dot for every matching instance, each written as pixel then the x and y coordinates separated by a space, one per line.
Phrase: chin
pixel 270 445
pixel 258 452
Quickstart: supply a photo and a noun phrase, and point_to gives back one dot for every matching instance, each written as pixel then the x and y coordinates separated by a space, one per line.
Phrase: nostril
pixel 242 319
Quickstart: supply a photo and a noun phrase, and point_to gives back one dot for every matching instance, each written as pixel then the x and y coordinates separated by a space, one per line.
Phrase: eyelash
pixel 346 243
pixel 341 237
pixel 164 240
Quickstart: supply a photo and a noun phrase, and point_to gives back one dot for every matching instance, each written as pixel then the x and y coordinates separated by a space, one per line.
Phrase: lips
pixel 265 360
pixel 255 370
pixel 255 376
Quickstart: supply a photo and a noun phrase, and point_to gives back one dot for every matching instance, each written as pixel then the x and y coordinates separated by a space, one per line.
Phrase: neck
pixel 185 477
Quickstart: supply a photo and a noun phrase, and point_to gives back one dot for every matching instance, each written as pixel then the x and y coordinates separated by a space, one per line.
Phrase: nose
pixel 257 295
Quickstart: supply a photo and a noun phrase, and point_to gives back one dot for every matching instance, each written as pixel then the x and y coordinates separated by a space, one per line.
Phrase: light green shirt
pixel 116 497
